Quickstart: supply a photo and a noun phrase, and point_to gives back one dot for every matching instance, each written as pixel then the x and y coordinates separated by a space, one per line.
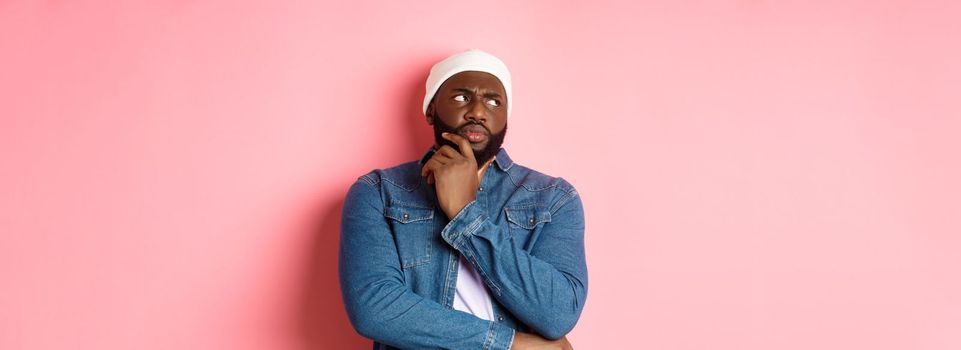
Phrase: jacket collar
pixel 503 161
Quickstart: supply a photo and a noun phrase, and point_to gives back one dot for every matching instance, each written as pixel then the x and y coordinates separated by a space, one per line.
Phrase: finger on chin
pixel 461 142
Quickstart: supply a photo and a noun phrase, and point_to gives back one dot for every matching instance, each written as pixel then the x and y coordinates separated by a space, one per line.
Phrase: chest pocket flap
pixel 413 228
pixel 406 215
pixel 528 217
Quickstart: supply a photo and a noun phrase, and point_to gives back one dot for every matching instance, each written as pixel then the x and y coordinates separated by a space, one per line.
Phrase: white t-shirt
pixel 470 293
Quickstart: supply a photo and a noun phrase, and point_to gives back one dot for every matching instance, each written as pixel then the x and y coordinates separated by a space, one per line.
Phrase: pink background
pixel 756 174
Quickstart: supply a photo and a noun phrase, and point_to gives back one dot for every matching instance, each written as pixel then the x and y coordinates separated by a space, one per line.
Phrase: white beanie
pixel 470 60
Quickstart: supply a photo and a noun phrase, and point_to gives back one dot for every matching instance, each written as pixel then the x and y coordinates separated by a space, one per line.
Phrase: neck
pixel 483 169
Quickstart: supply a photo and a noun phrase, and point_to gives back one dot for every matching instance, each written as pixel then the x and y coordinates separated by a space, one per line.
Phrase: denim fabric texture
pixel 524 234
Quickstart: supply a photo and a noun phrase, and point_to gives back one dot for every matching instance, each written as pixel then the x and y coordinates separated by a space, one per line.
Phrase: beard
pixel 494 141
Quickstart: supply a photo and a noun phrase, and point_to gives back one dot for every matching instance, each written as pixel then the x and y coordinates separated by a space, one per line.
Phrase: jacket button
pixel 531 220
pixel 482 189
pixel 406 216
pixel 500 318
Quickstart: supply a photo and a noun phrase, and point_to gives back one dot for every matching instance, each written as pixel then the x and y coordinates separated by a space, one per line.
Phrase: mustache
pixel 462 127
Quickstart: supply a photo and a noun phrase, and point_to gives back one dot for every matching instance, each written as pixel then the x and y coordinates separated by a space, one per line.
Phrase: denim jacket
pixel 524 235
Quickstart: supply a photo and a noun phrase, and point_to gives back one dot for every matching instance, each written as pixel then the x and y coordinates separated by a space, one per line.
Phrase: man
pixel 464 249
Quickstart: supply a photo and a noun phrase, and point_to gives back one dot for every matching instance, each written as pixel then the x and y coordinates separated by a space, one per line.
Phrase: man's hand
pixel 528 341
pixel 454 175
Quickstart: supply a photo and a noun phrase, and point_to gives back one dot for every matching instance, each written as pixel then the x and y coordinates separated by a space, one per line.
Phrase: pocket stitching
pixel 521 216
pixel 415 215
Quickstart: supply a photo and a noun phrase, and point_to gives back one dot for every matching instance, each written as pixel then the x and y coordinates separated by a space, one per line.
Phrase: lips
pixel 474 133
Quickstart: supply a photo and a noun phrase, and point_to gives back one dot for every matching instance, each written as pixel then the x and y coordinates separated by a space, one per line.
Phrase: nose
pixel 476 112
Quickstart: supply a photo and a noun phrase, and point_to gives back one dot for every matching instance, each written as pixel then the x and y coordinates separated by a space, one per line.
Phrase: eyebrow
pixel 488 94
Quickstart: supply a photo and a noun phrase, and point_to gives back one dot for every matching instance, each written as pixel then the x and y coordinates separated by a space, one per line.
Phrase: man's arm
pixel 378 303
pixel 544 288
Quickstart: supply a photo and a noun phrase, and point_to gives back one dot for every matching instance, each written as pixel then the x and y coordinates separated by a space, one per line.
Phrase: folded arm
pixel 378 303
pixel 544 288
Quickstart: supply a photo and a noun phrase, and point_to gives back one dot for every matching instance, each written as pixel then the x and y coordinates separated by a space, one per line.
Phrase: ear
pixel 431 113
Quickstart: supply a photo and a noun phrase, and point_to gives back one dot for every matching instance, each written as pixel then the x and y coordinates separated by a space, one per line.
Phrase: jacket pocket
pixel 527 217
pixel 413 228
pixel 525 222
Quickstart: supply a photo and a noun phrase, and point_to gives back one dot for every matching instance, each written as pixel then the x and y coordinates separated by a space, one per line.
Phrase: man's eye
pixel 460 98
pixel 494 102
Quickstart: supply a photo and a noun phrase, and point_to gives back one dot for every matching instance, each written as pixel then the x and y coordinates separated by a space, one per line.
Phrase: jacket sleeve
pixel 544 288
pixel 379 305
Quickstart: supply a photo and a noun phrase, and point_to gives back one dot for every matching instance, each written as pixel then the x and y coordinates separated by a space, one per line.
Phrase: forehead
pixel 473 80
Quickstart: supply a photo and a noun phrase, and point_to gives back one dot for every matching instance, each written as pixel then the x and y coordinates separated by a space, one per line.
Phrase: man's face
pixel 473 105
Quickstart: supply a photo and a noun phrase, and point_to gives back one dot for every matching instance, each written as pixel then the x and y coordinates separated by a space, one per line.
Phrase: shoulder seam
pixel 570 194
pixel 370 179
pixel 529 171
pixel 567 198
